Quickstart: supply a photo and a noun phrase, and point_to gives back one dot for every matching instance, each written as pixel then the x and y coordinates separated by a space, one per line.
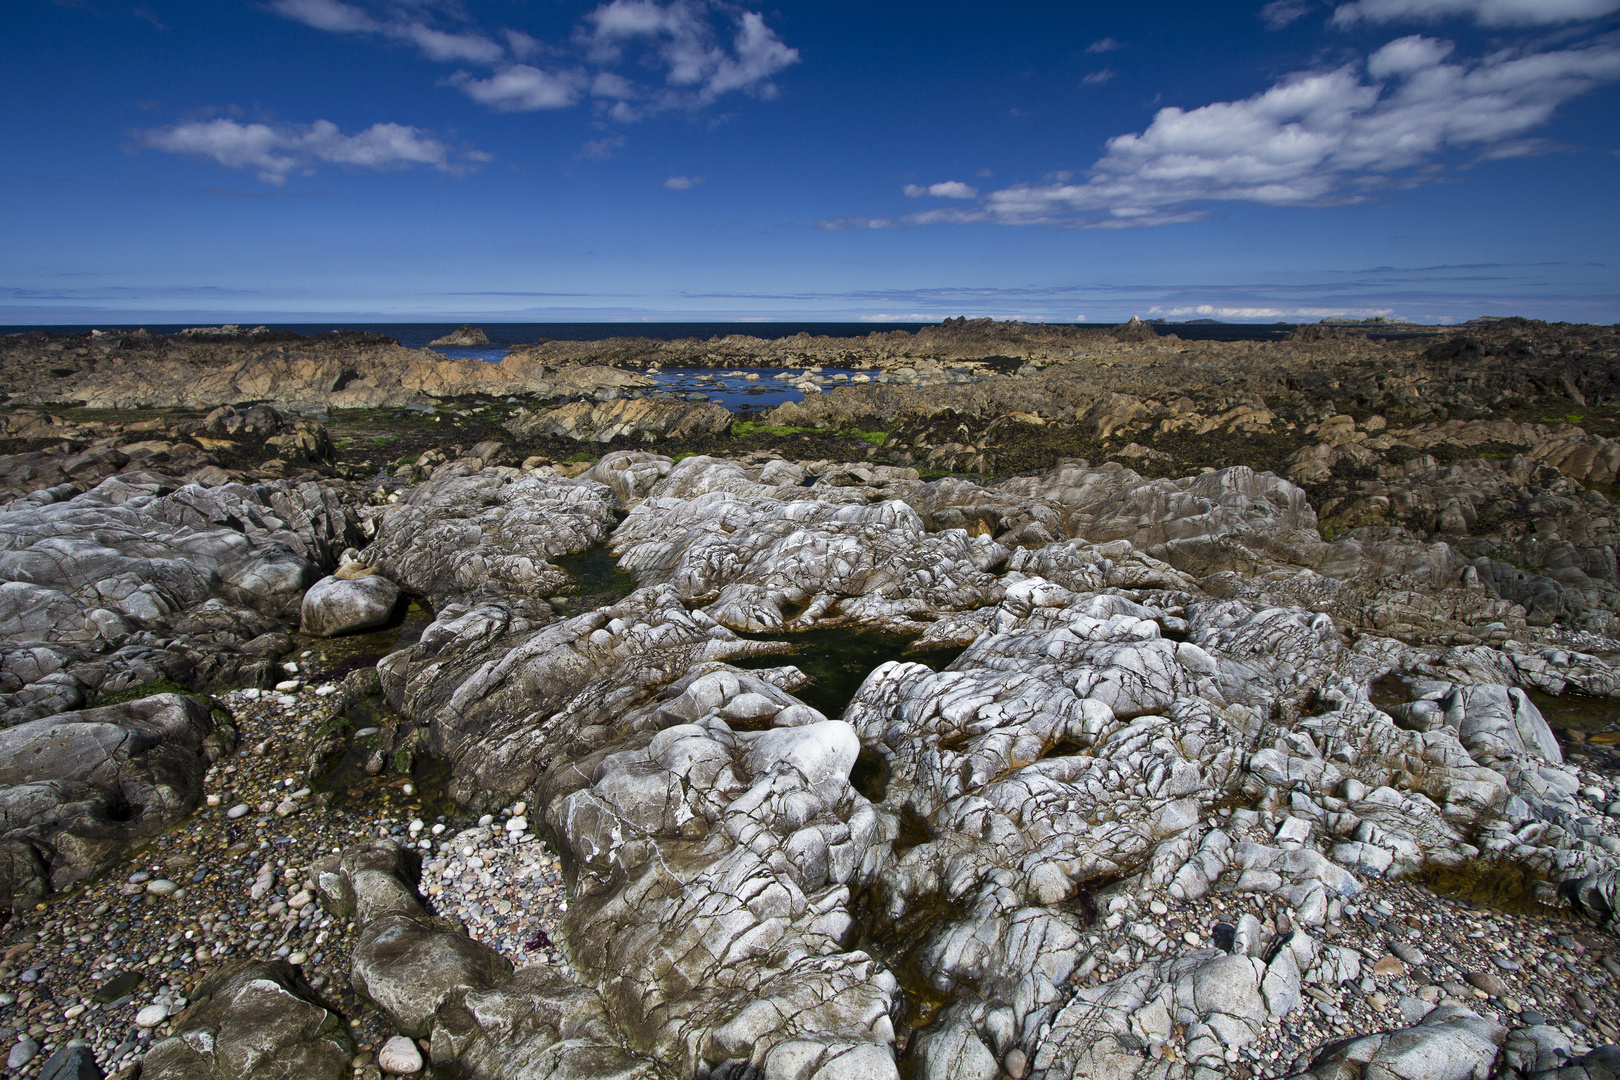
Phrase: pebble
pixel 240 810
pixel 400 1057
pixel 162 887
pixel 517 825
pixel 1486 982
pixel 22 1053
pixel 152 1016
pixel 1015 1063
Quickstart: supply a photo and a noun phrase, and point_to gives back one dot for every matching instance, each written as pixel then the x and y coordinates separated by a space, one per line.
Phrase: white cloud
pixel 682 183
pixel 950 189
pixel 1484 12
pixel 704 48
pixel 1315 138
pixel 1107 44
pixel 1097 78
pixel 445 47
pixel 275 151
pixel 521 88
pixel 680 36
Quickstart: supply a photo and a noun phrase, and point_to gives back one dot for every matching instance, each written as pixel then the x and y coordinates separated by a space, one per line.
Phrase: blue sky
pixel 537 160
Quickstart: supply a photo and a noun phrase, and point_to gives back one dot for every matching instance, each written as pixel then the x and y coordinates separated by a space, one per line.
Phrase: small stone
pixel 240 810
pixel 400 1057
pixel 407 789
pixel 287 686
pixel 162 887
pixel 152 1016
pixel 486 821
pixel 1389 965
pixel 1192 937
pixel 1486 983
pixel 212 800
pixel 298 959
pixel 300 899
pixel 1504 963
pixel 517 825
pixel 1015 1063
pixel 286 808
pixel 22 1053
pixel 519 808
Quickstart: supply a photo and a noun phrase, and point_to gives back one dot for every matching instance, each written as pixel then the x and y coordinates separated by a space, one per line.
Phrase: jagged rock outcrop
pixel 141 578
pixel 648 419
pixel 754 560
pixel 488 533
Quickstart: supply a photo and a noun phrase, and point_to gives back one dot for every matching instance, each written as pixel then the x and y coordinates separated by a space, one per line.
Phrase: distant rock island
pixel 465 336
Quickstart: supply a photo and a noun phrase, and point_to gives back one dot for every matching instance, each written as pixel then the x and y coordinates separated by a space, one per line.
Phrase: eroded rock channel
pixel 781 751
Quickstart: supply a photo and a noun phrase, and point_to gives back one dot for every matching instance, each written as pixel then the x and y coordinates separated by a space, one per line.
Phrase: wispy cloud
pixel 604 148
pixel 1097 78
pixel 950 189
pixel 700 61
pixel 1315 138
pixel 1107 44
pixel 683 183
pixel 521 88
pixel 277 151
pixel 1281 13
pixel 839 223
pixel 704 49
pixel 1484 12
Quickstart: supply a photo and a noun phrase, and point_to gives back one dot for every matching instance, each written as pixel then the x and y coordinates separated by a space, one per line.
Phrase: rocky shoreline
pixel 1241 709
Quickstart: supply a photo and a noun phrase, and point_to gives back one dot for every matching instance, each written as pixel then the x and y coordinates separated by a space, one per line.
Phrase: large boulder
pixel 76 790
pixel 336 606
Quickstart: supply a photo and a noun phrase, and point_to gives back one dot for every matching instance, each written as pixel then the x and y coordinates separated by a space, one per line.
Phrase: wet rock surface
pixel 1278 742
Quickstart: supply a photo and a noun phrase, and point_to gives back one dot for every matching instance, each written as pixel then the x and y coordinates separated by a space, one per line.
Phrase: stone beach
pixel 1282 741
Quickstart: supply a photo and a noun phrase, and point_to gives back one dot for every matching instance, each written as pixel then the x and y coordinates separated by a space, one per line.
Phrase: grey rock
pixel 253 1021
pixel 334 606
pixel 435 982
pixel 22 1052
pixel 469 534
pixel 76 790
pixel 1450 1043
pixel 72 1063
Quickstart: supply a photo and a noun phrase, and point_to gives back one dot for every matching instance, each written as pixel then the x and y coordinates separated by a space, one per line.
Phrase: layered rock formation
pixel 1200 724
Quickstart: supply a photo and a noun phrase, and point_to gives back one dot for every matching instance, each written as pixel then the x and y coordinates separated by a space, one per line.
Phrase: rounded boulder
pixel 334 606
